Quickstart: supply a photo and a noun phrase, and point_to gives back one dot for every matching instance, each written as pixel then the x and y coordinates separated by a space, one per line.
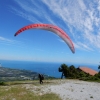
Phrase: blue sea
pixel 50 69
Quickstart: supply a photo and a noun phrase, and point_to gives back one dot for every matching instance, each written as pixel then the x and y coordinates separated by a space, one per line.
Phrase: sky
pixel 80 19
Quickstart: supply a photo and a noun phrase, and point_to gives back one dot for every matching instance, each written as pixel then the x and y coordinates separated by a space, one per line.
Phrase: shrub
pixel 2 83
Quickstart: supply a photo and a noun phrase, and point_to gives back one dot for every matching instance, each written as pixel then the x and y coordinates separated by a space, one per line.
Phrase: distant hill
pixel 8 74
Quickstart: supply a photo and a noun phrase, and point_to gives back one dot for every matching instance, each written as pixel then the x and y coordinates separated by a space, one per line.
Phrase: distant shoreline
pixel 48 68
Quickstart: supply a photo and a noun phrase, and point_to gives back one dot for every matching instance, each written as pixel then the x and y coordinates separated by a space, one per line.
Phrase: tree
pixel 99 68
pixel 62 69
pixel 73 72
pixel 72 69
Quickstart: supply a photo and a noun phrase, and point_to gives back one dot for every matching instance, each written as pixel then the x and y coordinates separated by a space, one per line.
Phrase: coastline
pixel 47 68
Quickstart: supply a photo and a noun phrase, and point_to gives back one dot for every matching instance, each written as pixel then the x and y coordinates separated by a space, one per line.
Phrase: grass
pixel 30 90
pixel 16 91
pixel 35 82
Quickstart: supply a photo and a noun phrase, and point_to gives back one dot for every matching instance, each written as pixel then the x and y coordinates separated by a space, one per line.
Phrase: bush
pixel 2 83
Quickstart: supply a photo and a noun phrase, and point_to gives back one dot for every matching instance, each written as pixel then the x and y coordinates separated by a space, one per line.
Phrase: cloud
pixel 32 11
pixel 61 40
pixel 82 15
pixel 84 46
pixel 80 18
pixel 7 41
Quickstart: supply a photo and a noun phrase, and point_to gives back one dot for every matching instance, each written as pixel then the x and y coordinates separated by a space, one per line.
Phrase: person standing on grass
pixel 41 78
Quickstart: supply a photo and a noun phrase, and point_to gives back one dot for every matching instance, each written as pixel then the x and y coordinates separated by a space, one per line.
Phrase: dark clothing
pixel 41 78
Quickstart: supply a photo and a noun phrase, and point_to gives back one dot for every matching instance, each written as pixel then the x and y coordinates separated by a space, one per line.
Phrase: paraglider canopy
pixel 51 28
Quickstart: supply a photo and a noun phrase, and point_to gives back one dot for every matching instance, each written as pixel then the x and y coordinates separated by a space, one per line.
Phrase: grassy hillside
pixel 19 90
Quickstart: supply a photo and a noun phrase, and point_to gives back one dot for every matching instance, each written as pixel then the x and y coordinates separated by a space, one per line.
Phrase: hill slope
pixel 8 74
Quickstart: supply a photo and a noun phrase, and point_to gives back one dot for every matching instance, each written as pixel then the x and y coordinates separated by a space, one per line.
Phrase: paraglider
pixel 51 28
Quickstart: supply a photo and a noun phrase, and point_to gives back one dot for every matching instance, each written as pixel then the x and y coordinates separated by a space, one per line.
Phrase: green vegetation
pixel 2 83
pixel 21 92
pixel 70 72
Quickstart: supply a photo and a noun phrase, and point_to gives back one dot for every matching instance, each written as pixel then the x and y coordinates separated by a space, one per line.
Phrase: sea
pixel 47 68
